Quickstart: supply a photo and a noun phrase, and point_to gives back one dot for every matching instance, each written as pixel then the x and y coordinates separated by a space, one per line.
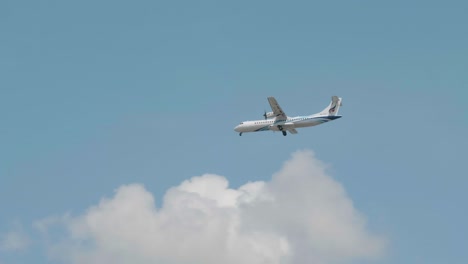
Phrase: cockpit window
pixel 241 123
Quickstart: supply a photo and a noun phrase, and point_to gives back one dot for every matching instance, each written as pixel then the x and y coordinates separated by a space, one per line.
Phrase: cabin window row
pixel 269 122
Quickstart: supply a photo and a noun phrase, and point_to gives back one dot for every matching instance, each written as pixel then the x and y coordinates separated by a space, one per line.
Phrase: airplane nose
pixel 236 129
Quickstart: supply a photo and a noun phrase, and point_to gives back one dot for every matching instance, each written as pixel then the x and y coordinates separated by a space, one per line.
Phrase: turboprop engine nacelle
pixel 268 115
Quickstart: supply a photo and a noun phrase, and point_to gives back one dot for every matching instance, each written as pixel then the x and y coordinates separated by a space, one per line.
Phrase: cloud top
pixel 302 215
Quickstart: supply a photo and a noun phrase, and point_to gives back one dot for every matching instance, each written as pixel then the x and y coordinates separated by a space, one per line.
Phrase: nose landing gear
pixel 240 134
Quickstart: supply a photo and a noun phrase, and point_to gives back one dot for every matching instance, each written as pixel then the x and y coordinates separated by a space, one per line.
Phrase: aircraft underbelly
pixel 310 123
pixel 261 127
pixel 302 125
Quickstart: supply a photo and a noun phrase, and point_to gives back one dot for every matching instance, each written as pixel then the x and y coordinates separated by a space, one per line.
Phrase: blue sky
pixel 97 94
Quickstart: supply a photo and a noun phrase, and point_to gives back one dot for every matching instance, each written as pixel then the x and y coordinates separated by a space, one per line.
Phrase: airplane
pixel 277 120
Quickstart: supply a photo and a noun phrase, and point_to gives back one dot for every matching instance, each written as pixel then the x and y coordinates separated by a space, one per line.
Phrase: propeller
pixel 265 115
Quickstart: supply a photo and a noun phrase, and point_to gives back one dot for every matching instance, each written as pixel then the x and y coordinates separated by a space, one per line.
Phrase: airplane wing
pixel 277 111
pixel 292 131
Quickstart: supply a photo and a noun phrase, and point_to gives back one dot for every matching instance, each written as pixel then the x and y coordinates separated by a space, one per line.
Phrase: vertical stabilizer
pixel 333 107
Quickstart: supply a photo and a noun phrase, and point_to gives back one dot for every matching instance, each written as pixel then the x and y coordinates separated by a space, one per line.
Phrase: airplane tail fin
pixel 333 107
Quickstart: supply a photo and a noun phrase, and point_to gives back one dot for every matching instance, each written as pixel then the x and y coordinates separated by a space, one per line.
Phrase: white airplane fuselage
pixel 277 120
pixel 290 122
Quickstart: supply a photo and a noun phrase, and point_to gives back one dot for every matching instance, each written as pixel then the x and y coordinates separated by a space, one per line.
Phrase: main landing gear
pixel 281 129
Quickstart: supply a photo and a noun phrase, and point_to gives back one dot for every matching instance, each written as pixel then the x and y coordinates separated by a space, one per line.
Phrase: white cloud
pixel 301 216
pixel 15 240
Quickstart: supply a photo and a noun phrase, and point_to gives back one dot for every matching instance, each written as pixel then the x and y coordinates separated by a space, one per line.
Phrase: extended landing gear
pixel 282 130
pixel 240 134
